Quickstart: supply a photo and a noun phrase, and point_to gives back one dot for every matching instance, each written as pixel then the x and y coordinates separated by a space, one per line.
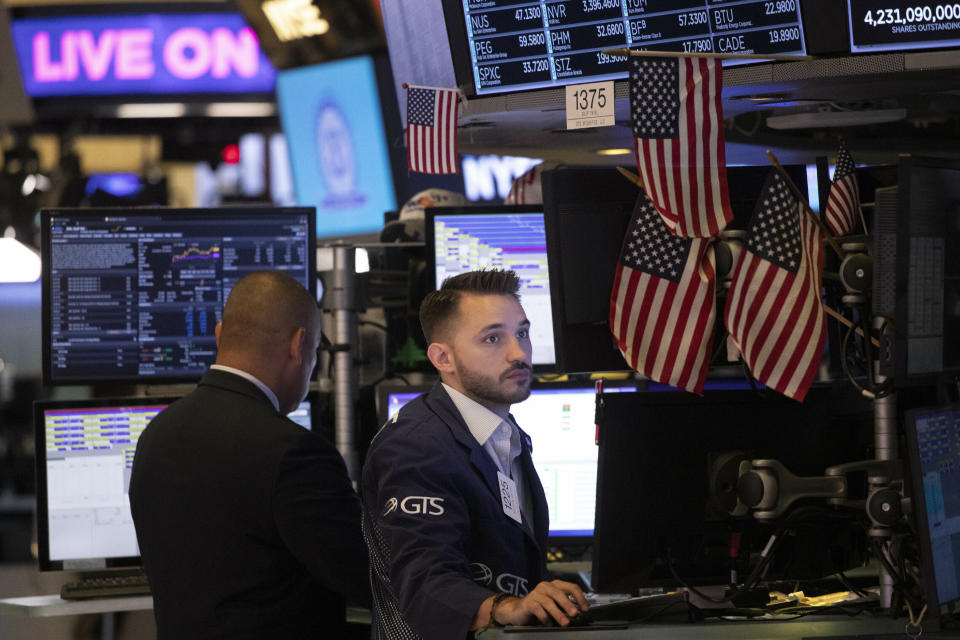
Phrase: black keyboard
pixel 106 585
pixel 637 609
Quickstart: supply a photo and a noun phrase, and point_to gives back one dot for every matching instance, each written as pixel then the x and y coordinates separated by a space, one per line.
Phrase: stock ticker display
pixel 531 45
pixel 891 25
pixel 139 295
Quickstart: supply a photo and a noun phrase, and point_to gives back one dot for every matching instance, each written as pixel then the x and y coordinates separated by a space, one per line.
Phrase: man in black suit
pixel 247 523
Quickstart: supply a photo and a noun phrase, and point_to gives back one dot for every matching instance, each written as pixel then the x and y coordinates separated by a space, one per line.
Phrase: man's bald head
pixel 264 308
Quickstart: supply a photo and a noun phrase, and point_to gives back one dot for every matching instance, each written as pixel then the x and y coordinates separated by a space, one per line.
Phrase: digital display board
pixel 333 121
pixel 532 45
pixel 885 25
pixel 136 293
pixel 140 54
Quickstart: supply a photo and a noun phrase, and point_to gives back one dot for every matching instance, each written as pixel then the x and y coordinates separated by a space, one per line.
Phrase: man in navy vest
pixel 454 514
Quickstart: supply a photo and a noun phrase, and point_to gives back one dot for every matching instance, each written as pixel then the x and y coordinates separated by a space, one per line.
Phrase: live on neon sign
pixel 141 54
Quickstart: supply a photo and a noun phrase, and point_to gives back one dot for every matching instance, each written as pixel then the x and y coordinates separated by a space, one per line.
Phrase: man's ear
pixel 295 347
pixel 216 332
pixel 440 357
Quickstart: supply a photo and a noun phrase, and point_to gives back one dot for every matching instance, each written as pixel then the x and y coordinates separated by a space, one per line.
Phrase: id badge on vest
pixel 509 498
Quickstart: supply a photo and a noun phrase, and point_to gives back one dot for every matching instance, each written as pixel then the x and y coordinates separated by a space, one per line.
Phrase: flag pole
pixel 631 176
pixel 803 201
pixel 635 53
pixel 845 322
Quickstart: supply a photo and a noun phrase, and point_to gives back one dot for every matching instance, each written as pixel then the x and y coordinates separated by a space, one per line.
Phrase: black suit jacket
pixel 247 523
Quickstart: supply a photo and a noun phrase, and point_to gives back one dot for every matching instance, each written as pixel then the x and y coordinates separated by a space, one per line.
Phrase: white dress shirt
pixel 499 437
pixel 267 391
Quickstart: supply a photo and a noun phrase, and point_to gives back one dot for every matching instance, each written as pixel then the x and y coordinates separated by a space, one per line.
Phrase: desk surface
pixel 54 605
pixel 808 627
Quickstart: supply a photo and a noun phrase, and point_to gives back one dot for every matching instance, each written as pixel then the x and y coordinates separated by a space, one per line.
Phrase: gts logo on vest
pixel 415 506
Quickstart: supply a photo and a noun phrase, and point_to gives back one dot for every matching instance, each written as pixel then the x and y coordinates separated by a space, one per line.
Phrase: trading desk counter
pixel 806 627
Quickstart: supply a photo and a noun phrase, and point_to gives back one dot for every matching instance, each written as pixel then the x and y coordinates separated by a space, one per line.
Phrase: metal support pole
pixel 885 443
pixel 345 379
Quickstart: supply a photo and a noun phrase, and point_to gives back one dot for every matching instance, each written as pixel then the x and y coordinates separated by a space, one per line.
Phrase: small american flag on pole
pixel 678 137
pixel 843 203
pixel 432 130
pixel 662 305
pixel 774 309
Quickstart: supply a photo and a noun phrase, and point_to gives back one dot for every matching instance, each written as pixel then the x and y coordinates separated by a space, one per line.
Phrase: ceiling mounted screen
pixel 532 45
pixel 894 25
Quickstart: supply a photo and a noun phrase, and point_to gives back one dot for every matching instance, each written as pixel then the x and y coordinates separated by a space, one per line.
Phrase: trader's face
pixel 490 351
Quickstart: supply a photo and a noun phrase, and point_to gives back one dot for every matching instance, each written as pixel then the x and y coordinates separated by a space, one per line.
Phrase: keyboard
pixel 637 609
pixel 107 584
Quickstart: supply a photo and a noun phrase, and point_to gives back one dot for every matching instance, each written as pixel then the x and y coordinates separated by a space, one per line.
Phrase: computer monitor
pixel 392 397
pixel 84 453
pixel 917 270
pixel 560 420
pixel 134 294
pixel 654 503
pixel 461 239
pixel 337 139
pixel 933 447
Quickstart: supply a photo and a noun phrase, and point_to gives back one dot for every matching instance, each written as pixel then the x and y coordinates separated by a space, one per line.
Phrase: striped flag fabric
pixel 677 119
pixel 843 203
pixel 431 135
pixel 662 305
pixel 774 311
pixel 526 189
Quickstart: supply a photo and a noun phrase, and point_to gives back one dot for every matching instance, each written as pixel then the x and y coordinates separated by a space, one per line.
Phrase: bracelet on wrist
pixel 497 599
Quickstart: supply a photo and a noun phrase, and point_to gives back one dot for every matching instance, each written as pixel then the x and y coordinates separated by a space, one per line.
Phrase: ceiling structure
pixel 883 105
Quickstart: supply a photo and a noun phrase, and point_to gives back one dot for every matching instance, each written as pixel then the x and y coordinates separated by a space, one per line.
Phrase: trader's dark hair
pixel 439 307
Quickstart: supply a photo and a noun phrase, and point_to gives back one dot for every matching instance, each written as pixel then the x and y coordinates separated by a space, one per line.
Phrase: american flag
pixel 774 310
pixel 526 189
pixel 432 130
pixel 662 305
pixel 678 137
pixel 843 203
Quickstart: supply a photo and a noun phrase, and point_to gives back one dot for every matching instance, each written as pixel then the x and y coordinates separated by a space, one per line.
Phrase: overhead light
pixel 158 110
pixel 613 152
pixel 241 109
pixel 294 19
pixel 18 262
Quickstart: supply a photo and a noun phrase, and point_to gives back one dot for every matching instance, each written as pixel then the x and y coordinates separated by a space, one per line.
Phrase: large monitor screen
pixel 85 451
pixel 337 141
pixel 895 25
pixel 530 45
pixel 135 294
pixel 933 443
pixel 560 421
pixel 461 239
pixel 660 520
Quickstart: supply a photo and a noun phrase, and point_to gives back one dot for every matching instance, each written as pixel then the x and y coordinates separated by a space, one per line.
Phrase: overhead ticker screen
pixel 530 45
pixel 136 294
pixel 890 25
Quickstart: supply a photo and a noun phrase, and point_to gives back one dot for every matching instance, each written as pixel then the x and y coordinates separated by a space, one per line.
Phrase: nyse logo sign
pixel 490 177
pixel 415 506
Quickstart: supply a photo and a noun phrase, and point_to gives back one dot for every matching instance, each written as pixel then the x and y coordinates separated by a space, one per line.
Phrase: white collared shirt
pixel 267 391
pixel 482 423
